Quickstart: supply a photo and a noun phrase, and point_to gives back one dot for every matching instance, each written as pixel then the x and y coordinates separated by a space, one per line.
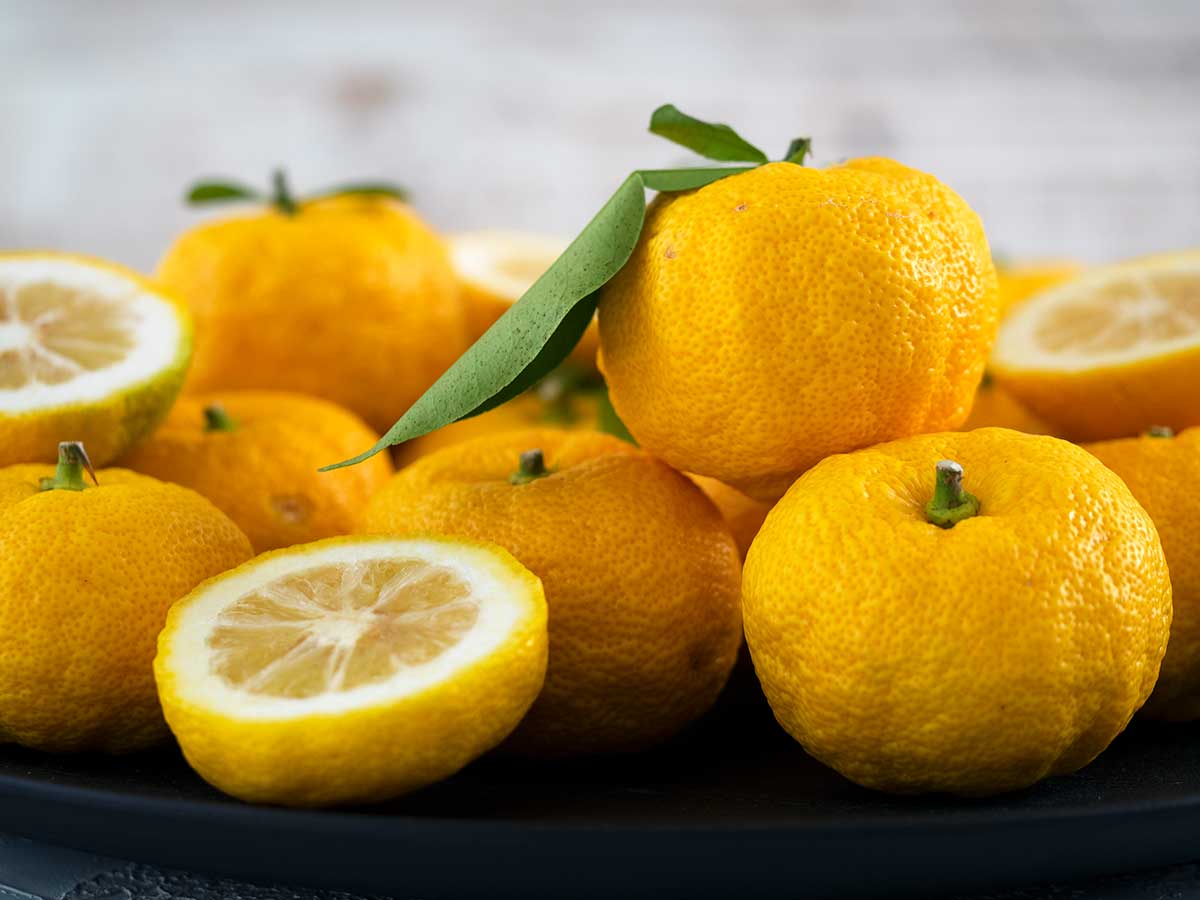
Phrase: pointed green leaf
pixel 798 150
pixel 216 191
pixel 541 329
pixel 671 180
pixel 609 422
pixel 711 140
pixel 538 331
pixel 370 188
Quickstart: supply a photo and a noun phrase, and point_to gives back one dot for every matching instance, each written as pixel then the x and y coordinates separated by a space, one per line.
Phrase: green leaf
pixel 540 330
pixel 204 192
pixel 370 188
pixel 798 150
pixel 710 140
pixel 609 422
pixel 670 180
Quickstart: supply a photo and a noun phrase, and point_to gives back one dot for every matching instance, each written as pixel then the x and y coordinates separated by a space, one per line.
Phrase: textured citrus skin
pixel 86 579
pixel 976 659
pixel 994 407
pixel 263 474
pixel 778 316
pixel 1163 474
pixel 368 754
pixel 641 576
pixel 107 427
pixel 351 299
pixel 526 411
pixel 1020 282
pixel 744 515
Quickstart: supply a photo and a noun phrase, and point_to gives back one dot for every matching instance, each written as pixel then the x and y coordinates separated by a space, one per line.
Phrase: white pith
pixel 151 322
pixel 1018 347
pixel 479 257
pixel 502 597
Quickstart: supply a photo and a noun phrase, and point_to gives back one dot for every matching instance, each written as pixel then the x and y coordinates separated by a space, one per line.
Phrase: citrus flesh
pixel 351 670
pixel 1111 352
pixel 88 351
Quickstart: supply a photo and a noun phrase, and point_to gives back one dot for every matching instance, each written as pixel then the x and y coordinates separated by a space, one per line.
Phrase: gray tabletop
pixel 30 871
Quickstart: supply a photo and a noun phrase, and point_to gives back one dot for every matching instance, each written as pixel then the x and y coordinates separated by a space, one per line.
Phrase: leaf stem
pixel 950 503
pixel 68 474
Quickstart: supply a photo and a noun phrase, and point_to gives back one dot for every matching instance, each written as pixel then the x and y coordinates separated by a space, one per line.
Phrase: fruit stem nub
pixel 950 503
pixel 1160 431
pixel 68 474
pixel 217 419
pixel 532 466
pixel 282 197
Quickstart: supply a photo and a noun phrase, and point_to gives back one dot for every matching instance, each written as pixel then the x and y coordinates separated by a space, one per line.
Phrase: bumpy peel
pixel 778 316
pixel 974 659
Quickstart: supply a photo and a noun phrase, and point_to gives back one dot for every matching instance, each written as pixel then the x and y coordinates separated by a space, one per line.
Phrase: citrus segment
pixel 88 351
pixel 1111 352
pixel 352 669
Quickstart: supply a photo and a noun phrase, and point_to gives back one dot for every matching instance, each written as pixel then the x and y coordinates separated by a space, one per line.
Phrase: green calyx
pixel 217 419
pixel 68 474
pixel 950 503
pixel 1160 431
pixel 531 467
pixel 541 329
pixel 281 196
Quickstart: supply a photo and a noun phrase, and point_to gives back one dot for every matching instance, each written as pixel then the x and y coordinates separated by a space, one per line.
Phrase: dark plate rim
pixel 975 814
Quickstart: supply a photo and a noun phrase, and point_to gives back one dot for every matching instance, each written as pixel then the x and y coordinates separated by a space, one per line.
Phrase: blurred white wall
pixel 1072 127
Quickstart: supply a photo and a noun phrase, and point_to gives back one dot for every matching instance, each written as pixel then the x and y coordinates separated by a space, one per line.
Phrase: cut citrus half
pixel 88 351
pixel 351 670
pixel 496 267
pixel 1111 352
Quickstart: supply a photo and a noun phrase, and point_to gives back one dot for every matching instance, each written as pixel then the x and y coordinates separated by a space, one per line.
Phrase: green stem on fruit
pixel 532 466
pixel 68 474
pixel 217 419
pixel 950 503
pixel 282 197
pixel 1160 431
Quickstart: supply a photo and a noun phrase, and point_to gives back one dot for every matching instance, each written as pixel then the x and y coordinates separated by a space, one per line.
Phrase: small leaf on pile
pixel 368 188
pixel 710 140
pixel 204 192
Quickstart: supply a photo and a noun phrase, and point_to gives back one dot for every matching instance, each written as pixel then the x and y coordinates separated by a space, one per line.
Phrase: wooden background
pixel 1072 127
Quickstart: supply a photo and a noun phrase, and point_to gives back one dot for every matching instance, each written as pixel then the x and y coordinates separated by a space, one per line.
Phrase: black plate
pixel 733 808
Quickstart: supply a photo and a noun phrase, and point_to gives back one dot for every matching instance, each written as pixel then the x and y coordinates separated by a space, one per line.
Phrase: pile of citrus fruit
pixel 946 510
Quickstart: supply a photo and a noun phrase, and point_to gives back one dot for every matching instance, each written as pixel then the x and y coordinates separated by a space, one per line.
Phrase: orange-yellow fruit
pixel 89 351
pixel 1162 473
pixel 351 299
pixel 744 515
pixel 1110 353
pixel 255 454
pixel 1021 281
pixel 778 316
pixel 971 659
pixel 86 579
pixel 353 669
pixel 994 407
pixel 641 577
